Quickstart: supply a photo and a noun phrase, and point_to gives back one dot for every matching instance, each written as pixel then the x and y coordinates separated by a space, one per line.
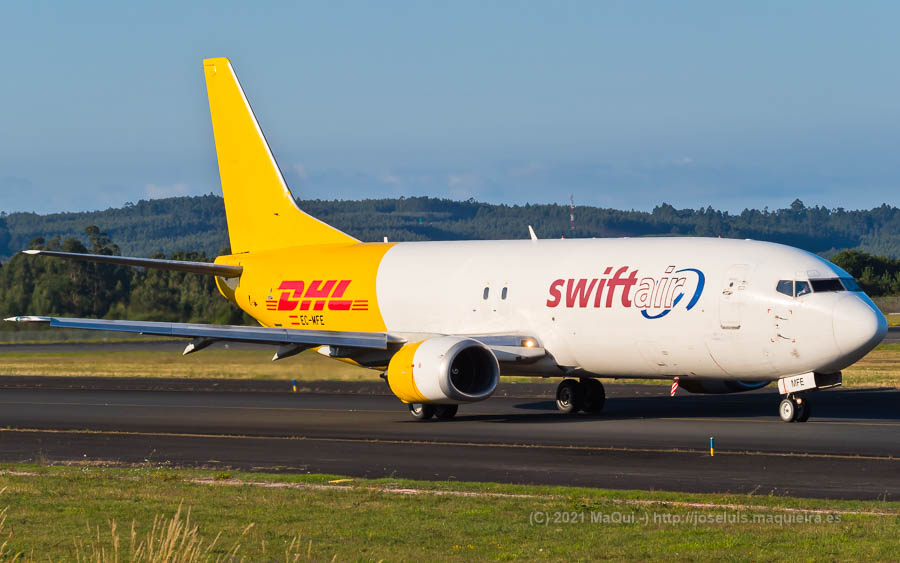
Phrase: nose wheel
pixel 794 409
pixel 587 395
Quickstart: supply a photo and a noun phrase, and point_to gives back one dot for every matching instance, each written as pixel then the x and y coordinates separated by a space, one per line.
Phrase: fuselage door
pixel 731 297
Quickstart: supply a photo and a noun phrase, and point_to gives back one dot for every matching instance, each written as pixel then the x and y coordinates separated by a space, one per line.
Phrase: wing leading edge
pixel 254 334
pixel 507 348
pixel 221 270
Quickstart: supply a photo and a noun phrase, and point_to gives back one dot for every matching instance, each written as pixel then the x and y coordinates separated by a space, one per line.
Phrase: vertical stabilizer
pixel 260 209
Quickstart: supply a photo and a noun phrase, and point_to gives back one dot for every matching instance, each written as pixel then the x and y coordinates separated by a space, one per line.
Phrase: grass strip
pixel 86 509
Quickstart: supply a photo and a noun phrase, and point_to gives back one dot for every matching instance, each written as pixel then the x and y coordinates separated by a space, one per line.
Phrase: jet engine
pixel 443 370
pixel 719 386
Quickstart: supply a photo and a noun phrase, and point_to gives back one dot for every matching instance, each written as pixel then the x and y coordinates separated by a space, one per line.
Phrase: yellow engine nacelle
pixel 445 369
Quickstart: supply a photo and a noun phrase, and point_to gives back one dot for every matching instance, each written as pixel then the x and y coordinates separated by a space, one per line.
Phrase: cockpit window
pixel 798 288
pixel 786 287
pixel 850 284
pixel 832 284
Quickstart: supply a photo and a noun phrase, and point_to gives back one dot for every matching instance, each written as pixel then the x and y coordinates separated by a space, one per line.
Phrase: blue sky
pixel 624 104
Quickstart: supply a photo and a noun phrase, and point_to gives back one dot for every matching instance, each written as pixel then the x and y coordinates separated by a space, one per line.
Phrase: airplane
pixel 442 320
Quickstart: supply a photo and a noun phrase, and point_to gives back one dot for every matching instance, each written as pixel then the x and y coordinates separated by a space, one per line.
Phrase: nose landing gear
pixel 795 406
pixel 794 409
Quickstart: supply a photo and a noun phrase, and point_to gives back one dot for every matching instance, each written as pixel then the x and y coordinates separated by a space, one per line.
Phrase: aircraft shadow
pixel 849 404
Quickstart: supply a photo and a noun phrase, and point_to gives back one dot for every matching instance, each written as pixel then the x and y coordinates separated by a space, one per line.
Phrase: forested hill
pixel 198 224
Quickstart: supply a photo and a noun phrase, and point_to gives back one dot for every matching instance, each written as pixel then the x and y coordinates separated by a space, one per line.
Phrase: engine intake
pixel 445 369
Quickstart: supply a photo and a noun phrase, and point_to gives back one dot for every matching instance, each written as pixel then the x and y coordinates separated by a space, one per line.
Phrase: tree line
pixel 877 275
pixel 42 285
pixel 198 223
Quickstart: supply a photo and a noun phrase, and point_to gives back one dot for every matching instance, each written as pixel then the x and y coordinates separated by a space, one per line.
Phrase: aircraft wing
pixel 507 348
pixel 222 270
pixel 254 334
pixel 512 348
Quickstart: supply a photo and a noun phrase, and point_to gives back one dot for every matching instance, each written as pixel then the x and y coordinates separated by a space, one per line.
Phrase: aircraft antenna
pixel 572 212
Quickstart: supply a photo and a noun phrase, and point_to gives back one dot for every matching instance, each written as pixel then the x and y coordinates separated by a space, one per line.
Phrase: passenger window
pixel 803 288
pixel 786 287
pixel 487 291
pixel 503 293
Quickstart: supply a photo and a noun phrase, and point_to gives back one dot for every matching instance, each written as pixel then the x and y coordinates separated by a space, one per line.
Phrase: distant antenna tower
pixel 572 212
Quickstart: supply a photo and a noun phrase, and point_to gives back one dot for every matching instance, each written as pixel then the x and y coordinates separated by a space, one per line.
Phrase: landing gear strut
pixel 587 395
pixel 794 409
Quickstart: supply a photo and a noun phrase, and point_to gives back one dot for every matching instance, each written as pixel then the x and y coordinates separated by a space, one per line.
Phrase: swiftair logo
pixel 318 295
pixel 656 297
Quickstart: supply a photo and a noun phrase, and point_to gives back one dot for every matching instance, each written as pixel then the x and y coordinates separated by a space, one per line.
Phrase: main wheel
pixel 593 395
pixel 567 396
pixel 787 410
pixel 421 411
pixel 803 410
pixel 445 411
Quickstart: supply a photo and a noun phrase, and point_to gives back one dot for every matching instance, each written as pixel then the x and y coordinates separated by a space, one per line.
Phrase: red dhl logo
pixel 319 295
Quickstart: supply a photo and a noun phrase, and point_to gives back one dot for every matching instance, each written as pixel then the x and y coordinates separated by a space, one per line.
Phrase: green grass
pixel 51 510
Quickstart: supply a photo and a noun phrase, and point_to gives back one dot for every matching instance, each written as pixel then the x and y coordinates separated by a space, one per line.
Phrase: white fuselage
pixel 649 307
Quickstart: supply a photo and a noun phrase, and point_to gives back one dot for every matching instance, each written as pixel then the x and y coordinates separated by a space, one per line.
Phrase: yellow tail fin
pixel 259 207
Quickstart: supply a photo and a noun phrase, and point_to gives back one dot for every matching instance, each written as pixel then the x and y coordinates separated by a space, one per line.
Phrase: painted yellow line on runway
pixel 447 443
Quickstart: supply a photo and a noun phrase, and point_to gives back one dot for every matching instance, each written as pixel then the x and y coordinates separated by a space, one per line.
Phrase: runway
pixel 643 440
pixel 892 336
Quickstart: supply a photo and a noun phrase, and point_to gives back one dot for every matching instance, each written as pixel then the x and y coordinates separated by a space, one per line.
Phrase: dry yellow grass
pixel 881 368
pixel 217 363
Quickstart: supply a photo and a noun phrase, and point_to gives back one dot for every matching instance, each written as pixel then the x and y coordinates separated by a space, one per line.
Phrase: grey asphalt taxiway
pixel 892 336
pixel 643 440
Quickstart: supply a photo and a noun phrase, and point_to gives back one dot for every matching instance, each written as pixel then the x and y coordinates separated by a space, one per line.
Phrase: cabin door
pixel 731 297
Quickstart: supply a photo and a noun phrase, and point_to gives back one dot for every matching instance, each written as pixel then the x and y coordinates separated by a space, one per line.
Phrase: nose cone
pixel 858 326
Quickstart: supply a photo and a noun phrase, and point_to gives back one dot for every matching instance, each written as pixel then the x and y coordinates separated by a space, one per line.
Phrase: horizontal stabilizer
pixel 221 270
pixel 252 334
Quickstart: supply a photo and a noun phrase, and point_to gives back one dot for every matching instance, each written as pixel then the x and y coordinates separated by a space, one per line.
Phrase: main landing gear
pixel 585 395
pixel 794 409
pixel 421 411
